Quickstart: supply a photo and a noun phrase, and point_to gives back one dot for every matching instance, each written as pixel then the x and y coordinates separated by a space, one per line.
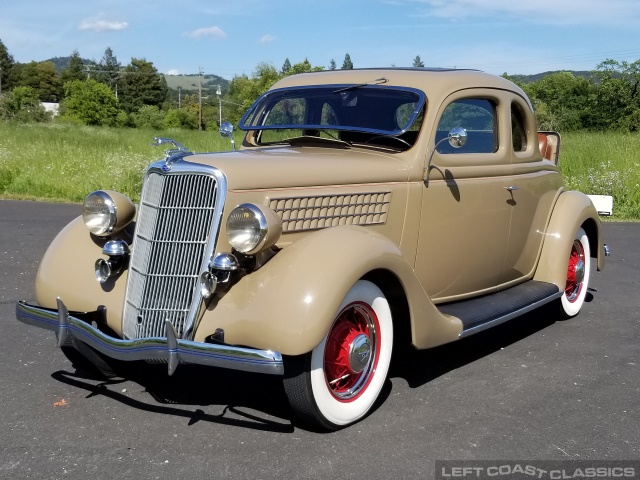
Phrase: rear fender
pixel 289 304
pixel 572 211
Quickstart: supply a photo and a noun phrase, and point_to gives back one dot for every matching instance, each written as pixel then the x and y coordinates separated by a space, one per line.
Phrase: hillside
pixel 524 79
pixel 190 82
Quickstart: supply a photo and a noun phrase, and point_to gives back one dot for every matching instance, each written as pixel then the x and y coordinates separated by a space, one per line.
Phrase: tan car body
pixel 459 235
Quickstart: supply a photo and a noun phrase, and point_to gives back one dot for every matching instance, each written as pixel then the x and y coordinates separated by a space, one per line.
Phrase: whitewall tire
pixel 578 270
pixel 338 382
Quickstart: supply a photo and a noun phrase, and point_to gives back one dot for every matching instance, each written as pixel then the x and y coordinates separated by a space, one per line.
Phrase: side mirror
pixel 226 130
pixel 457 138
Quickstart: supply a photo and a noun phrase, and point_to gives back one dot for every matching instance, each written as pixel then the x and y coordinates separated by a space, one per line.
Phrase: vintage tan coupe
pixel 361 202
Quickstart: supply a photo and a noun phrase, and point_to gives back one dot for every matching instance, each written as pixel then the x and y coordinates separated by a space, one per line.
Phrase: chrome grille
pixel 175 235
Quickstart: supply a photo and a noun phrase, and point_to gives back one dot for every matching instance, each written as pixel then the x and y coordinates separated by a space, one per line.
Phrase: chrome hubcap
pixel 579 271
pixel 359 353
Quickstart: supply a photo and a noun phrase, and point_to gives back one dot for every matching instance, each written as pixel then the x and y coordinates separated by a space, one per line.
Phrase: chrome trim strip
pixel 171 350
pixel 509 316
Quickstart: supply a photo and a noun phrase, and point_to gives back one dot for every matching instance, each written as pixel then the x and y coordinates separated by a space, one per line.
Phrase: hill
pixel 524 79
pixel 191 82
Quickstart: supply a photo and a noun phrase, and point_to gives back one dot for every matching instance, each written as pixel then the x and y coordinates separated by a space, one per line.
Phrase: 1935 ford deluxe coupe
pixel 361 201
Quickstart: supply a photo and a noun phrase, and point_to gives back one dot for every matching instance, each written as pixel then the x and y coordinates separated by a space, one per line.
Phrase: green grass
pixel 59 162
pixel 604 163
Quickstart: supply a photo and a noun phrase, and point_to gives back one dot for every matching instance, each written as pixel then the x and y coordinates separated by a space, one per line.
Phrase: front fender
pixel 572 211
pixel 289 304
pixel 67 271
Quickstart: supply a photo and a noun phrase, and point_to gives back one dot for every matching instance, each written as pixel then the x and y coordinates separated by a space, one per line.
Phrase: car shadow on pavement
pixel 419 367
pixel 197 386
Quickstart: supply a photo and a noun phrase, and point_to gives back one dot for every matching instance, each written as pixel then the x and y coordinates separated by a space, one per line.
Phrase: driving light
pixel 252 228
pixel 105 212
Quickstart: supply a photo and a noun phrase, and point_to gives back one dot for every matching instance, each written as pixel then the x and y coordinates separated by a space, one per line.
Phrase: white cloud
pixel 215 32
pixel 268 38
pixel 101 24
pixel 173 71
pixel 571 12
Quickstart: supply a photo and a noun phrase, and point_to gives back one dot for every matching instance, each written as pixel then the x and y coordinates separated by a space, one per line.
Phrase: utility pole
pixel 179 97
pixel 219 94
pixel 200 99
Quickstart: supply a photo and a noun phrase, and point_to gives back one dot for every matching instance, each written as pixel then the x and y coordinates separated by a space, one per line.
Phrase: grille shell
pixel 176 234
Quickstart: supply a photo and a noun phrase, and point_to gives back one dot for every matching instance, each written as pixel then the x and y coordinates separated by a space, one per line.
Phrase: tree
pixel 560 100
pixel 332 64
pixel 304 67
pixel 347 64
pixel 41 77
pixel 49 84
pixel 417 62
pixel 6 65
pixel 90 102
pixel 75 70
pixel 141 84
pixel 286 67
pixel 108 69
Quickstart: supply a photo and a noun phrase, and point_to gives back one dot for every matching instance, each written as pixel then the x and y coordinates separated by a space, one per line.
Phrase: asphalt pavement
pixel 535 388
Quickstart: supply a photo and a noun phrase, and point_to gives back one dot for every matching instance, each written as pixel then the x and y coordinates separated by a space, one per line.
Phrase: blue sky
pixel 232 36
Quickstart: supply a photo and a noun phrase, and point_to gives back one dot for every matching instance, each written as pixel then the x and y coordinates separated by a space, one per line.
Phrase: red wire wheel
pixel 352 351
pixel 577 280
pixel 575 272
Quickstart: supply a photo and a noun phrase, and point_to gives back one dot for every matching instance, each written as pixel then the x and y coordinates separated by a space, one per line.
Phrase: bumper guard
pixel 170 349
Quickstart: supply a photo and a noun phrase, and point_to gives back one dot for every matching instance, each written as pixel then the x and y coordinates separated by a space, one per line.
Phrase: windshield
pixel 349 113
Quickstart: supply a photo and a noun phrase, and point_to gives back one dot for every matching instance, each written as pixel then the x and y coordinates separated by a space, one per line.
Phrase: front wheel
pixel 338 382
pixel 578 270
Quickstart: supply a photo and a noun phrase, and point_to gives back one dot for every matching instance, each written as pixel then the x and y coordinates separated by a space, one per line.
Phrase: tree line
pixel 607 98
pixel 137 95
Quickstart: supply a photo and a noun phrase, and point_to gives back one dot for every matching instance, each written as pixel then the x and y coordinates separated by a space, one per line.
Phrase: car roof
pixel 435 82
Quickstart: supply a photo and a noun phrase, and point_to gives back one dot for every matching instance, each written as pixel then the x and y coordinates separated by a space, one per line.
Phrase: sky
pixel 231 37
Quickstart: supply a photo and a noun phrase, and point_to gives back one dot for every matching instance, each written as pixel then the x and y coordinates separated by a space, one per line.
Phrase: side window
pixel 518 130
pixel 478 117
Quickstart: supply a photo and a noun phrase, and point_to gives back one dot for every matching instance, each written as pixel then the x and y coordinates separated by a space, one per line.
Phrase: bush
pixel 23 105
pixel 181 118
pixel 91 102
pixel 149 116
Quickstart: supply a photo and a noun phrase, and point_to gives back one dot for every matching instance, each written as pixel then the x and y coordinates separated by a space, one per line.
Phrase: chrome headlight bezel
pixel 106 212
pixel 99 213
pixel 252 228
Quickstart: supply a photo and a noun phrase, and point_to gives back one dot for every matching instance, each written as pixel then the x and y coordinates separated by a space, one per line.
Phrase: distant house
pixel 51 107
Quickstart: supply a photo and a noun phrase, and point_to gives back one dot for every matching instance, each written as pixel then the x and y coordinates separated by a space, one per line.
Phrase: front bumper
pixel 171 350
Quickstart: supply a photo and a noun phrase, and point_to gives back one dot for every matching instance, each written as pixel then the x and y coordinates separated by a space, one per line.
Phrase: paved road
pixel 535 388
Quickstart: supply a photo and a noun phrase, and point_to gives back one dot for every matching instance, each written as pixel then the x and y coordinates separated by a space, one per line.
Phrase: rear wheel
pixel 338 382
pixel 578 269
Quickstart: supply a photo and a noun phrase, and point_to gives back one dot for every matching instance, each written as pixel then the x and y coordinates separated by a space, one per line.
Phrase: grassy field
pixel 63 163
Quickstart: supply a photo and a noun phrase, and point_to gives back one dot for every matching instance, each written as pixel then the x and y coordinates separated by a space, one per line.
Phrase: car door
pixel 465 214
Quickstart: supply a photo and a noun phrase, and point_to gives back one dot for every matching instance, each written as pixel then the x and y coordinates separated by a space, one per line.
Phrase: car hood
pixel 266 168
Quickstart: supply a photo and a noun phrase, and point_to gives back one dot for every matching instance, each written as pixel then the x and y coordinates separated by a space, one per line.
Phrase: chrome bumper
pixel 171 350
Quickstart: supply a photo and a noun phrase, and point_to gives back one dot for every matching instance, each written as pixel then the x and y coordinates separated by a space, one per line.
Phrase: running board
pixel 484 312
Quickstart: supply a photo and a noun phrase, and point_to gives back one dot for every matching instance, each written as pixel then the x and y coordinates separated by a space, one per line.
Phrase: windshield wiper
pixel 377 81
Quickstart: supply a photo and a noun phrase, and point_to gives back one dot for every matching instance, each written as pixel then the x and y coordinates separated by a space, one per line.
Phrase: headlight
pixel 252 228
pixel 106 212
